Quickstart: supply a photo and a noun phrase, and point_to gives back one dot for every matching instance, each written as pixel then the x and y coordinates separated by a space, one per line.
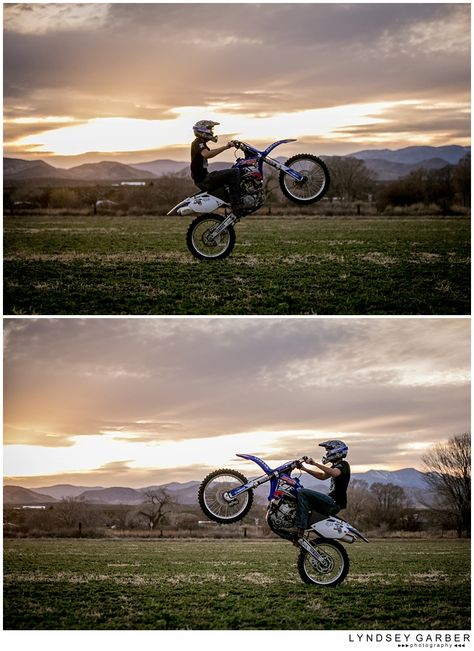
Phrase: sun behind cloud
pixel 128 134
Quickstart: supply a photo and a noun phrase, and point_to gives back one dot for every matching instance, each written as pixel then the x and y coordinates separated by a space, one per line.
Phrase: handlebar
pixel 297 462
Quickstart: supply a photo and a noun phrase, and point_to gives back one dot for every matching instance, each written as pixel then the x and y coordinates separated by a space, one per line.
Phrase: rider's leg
pixel 229 177
pixel 309 500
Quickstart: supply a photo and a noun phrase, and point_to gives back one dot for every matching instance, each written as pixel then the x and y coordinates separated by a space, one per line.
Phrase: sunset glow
pixel 130 401
pixel 114 79
pixel 127 134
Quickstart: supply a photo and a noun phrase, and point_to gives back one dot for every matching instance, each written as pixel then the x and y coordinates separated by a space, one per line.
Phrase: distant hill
pixel 182 493
pixel 412 480
pixel 386 164
pixel 114 495
pixel 60 491
pixel 15 169
pixel 452 154
pixel 406 478
pixel 162 167
pixel 385 170
pixel 20 495
pixel 108 171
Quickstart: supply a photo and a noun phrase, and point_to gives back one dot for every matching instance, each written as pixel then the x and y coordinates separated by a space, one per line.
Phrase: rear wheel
pixel 203 242
pixel 214 501
pixel 315 183
pixel 330 569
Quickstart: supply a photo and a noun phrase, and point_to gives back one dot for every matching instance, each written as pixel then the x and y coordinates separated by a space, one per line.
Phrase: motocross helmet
pixel 204 130
pixel 335 450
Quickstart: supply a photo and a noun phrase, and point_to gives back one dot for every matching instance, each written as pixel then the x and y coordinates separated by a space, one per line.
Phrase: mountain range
pixel 386 164
pixel 410 479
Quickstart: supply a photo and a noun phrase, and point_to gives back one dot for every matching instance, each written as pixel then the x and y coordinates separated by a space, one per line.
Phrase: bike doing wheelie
pixel 304 179
pixel 226 496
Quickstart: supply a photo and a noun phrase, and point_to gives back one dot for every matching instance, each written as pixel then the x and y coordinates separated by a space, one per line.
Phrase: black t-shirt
pixel 339 484
pixel 198 163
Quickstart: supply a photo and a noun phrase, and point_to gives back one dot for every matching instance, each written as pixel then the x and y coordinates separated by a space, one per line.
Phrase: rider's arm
pixel 315 473
pixel 210 153
pixel 326 472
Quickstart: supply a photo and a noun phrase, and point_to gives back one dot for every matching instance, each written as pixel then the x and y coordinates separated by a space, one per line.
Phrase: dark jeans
pixel 215 180
pixel 309 500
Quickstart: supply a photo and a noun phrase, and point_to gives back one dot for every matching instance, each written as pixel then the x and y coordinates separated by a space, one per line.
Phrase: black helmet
pixel 335 450
pixel 204 130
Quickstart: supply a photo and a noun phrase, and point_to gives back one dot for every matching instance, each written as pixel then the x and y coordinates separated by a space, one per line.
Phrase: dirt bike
pixel 226 496
pixel 304 179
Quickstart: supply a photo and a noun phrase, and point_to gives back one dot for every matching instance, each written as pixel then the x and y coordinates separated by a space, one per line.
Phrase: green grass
pixel 280 265
pixel 217 584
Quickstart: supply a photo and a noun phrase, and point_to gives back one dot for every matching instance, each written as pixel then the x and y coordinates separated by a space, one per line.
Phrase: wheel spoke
pixel 328 568
pixel 204 242
pixel 315 181
pixel 215 501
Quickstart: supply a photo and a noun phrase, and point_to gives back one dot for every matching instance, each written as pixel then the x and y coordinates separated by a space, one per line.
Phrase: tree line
pixel 443 190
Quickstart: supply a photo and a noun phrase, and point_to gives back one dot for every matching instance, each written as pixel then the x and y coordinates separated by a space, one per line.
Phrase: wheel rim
pixel 329 569
pixel 205 244
pixel 314 180
pixel 217 504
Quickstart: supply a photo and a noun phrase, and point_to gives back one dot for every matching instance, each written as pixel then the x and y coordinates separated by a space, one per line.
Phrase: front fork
pixel 283 168
pixel 229 220
pixel 305 544
pixel 231 495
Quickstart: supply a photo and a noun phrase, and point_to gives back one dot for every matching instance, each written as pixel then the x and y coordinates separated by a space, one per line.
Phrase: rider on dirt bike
pixel 339 472
pixel 210 181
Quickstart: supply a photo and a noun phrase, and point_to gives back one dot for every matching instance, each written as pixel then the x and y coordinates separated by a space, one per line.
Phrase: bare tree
pixel 358 501
pixel 449 475
pixel 462 179
pixel 390 502
pixel 156 507
pixel 270 185
pixel 72 511
pixel 350 178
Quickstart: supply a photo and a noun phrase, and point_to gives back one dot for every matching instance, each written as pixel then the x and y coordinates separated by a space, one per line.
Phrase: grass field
pixel 166 584
pixel 280 265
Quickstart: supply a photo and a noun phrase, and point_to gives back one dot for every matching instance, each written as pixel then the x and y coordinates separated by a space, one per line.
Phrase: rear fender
pixel 198 203
pixel 336 528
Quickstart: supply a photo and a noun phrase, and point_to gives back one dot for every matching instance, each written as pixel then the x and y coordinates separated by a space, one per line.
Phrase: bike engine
pixel 251 188
pixel 281 513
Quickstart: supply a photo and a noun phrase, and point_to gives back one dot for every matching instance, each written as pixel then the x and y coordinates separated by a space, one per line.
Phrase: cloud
pixel 26 18
pixel 101 387
pixel 142 60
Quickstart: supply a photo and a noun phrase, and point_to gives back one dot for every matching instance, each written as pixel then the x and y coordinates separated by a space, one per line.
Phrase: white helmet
pixel 335 450
pixel 204 130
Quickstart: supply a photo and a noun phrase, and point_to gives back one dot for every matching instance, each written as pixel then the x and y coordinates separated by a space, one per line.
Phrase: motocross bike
pixel 226 496
pixel 304 179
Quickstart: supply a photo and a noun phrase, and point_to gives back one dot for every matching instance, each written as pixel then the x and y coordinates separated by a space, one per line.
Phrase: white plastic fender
pixel 198 203
pixel 331 528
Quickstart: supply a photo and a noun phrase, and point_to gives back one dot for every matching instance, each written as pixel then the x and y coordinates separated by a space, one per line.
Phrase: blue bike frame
pixel 271 475
pixel 263 157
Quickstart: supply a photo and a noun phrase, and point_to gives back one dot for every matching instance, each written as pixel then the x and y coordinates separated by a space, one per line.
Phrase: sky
pixel 126 81
pixel 143 401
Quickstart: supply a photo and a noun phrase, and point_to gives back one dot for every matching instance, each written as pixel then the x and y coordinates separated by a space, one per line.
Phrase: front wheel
pixel 330 569
pixel 214 500
pixel 315 181
pixel 204 243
